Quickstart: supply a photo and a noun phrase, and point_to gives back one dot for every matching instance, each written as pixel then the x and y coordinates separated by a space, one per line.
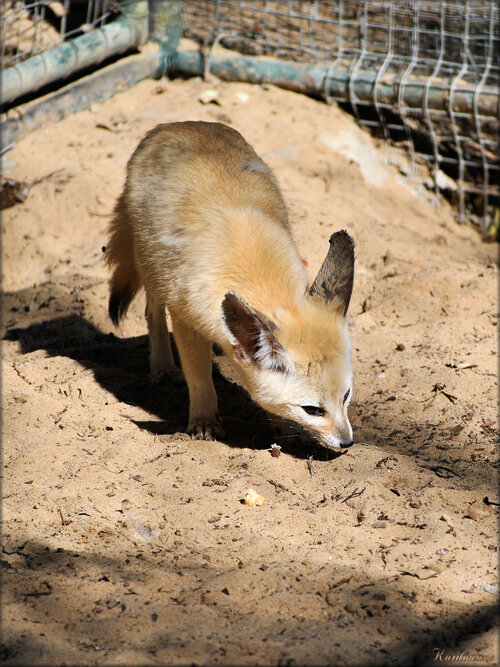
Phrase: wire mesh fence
pixel 422 74
pixel 29 28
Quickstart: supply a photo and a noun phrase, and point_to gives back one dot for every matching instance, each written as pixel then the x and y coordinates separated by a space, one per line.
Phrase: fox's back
pixel 207 216
pixel 190 168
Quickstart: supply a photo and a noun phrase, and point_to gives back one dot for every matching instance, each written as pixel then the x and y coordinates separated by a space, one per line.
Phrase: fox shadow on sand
pixel 52 318
pixel 120 366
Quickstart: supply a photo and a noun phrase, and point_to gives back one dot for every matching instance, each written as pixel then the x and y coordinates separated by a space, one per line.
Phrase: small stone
pixel 209 97
pixel 275 450
pixel 477 513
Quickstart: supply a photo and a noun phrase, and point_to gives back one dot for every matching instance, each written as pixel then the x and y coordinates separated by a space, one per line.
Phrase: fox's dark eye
pixel 346 396
pixel 313 410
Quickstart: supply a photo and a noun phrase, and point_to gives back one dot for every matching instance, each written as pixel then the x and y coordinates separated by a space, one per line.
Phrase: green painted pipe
pixel 92 89
pixel 126 32
pixel 164 28
pixel 323 81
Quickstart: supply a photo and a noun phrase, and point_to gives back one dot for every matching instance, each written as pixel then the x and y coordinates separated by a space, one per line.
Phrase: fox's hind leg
pixel 161 360
pixel 195 352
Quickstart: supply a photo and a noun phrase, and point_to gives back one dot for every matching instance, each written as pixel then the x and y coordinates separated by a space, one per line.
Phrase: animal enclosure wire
pixel 29 28
pixel 429 71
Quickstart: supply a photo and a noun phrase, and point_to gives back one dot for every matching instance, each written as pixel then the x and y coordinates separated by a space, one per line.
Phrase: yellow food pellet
pixel 253 499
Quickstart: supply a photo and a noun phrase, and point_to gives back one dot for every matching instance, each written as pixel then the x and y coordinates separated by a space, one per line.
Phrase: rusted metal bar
pixel 323 81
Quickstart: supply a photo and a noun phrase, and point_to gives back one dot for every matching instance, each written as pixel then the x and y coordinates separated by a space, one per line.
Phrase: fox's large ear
pixel 252 337
pixel 335 278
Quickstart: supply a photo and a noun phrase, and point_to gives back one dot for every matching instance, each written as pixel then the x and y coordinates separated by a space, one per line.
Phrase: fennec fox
pixel 201 224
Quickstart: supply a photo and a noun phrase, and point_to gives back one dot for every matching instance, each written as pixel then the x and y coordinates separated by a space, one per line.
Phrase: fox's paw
pixel 202 429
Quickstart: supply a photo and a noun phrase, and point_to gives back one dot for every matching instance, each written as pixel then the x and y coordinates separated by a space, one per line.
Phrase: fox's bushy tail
pixel 125 281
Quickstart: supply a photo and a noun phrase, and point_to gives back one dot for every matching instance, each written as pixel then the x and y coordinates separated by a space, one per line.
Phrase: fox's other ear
pixel 252 337
pixel 335 277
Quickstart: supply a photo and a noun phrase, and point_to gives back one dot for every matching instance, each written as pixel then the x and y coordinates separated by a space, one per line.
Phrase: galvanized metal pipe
pixel 324 81
pixel 126 32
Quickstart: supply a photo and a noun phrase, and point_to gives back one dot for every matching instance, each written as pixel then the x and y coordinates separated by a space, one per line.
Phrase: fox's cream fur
pixel 201 224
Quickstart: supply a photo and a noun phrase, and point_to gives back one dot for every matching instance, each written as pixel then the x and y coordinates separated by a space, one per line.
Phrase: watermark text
pixel 449 656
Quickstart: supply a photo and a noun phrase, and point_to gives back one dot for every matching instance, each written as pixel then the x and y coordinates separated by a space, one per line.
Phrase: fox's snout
pixel 342 439
pixel 345 435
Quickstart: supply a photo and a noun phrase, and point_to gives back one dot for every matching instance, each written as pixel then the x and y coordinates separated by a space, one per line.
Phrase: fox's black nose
pixel 346 444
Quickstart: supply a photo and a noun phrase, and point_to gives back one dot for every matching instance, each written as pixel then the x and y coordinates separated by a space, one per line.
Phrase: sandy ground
pixel 126 543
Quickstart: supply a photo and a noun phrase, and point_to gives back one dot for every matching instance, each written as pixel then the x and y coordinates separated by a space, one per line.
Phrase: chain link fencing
pixel 422 74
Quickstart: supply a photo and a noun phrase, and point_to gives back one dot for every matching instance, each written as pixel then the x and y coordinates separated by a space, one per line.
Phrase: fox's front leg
pixel 196 359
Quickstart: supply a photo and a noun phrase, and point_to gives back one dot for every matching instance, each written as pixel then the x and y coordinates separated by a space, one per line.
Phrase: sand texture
pixel 126 543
